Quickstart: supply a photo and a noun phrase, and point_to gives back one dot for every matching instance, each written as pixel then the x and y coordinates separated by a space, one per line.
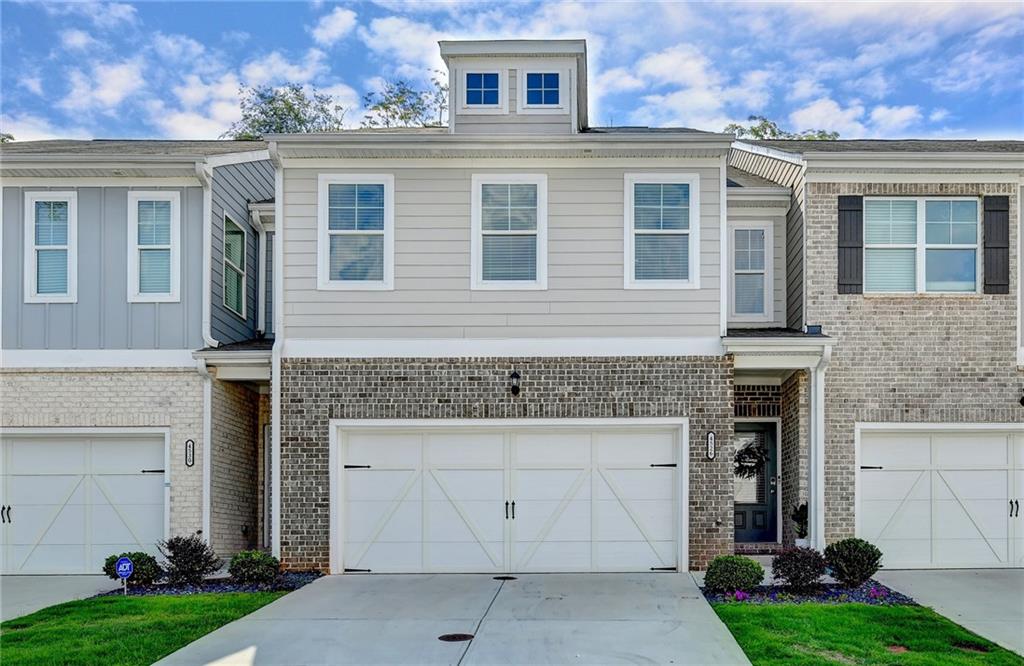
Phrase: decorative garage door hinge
pixel 871 467
pixel 357 571
pixel 357 467
pixel 663 568
pixel 152 471
pixel 663 464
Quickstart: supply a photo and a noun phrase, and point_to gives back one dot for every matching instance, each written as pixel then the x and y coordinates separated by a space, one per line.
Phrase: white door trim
pixel 336 460
pixel 778 464
pixel 109 430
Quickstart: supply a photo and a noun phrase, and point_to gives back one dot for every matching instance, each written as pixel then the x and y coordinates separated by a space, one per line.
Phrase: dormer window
pixel 483 89
pixel 542 89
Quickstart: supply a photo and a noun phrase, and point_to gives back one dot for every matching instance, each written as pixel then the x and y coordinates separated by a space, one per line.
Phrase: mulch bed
pixel 288 581
pixel 871 592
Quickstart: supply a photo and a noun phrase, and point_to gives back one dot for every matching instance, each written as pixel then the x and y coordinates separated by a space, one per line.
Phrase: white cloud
pixel 195 91
pixel 683 64
pixel 888 120
pixel 825 113
pixel 235 36
pixel 104 15
pixel 176 47
pixel 806 87
pixel 276 68
pixel 334 26
pixel 28 127
pixel 105 88
pixel 975 70
pixel 874 84
pixel 410 47
pixel 76 39
pixel 938 115
pixel 617 79
pixel 343 94
pixel 32 84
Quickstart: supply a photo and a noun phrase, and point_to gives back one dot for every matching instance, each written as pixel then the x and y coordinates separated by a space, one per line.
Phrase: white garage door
pixel 70 501
pixel 943 498
pixel 522 500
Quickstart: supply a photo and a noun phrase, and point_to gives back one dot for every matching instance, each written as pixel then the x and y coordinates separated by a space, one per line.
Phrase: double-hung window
pixel 153 237
pixel 234 267
pixel 509 219
pixel 542 89
pixel 662 231
pixel 921 245
pixel 51 247
pixel 483 88
pixel 751 276
pixel 355 222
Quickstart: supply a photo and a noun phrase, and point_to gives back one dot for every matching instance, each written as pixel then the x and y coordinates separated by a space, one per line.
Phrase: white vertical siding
pixel 432 296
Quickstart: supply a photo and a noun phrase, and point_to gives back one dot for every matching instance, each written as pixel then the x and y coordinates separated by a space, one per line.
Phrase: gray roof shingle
pixel 891 146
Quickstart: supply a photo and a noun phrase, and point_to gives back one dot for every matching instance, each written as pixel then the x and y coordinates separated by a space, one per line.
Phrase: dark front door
pixel 755 483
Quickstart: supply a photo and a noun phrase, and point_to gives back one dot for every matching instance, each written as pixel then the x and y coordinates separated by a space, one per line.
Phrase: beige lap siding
pixel 122 398
pixel 317 390
pixel 234 508
pixel 925 359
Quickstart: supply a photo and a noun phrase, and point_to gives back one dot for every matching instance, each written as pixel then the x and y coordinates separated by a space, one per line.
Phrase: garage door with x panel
pixel 497 500
pixel 943 497
pixel 69 501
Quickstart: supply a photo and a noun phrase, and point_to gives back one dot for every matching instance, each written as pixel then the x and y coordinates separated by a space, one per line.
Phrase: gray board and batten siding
pixel 102 318
pixel 235 186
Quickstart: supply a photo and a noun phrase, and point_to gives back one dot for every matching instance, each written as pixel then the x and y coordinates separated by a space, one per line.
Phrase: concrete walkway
pixel 536 619
pixel 21 595
pixel 989 602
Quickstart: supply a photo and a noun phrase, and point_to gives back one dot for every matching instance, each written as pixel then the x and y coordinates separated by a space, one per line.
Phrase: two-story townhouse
pixel 120 260
pixel 521 343
pixel 907 253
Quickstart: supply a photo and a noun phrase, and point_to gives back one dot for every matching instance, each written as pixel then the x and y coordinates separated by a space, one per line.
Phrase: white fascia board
pixel 582 140
pixel 238 158
pixel 764 151
pixel 499 347
pixel 909 176
pixel 241 357
pixel 242 373
pixel 759 194
pixel 96 358
pixel 102 181
pixel 512 47
pixel 905 160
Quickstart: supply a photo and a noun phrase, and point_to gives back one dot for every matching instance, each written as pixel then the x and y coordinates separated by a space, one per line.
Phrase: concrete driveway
pixel 21 595
pixel 989 602
pixel 535 619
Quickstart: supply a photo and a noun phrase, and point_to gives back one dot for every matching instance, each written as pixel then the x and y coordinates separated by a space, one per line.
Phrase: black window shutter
pixel 997 245
pixel 851 245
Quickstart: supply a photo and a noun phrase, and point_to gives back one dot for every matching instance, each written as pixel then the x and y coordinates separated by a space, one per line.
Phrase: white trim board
pixel 335 462
pixel 97 358
pixel 499 347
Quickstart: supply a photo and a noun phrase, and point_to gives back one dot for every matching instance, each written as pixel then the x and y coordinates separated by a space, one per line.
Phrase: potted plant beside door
pixel 799 517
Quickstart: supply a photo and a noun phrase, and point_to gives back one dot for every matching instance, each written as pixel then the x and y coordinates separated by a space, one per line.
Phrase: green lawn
pixel 120 630
pixel 846 634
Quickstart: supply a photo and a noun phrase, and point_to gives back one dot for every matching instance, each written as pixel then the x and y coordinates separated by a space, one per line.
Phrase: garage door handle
pixel 513 509
pixel 506 509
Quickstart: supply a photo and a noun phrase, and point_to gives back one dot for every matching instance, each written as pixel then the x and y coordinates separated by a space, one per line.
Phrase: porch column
pixel 816 454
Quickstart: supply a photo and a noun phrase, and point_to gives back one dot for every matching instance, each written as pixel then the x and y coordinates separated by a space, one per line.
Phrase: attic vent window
pixel 542 89
pixel 482 89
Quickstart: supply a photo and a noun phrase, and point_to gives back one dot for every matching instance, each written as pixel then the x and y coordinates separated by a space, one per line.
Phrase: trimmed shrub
pixel 146 569
pixel 254 566
pixel 728 573
pixel 189 559
pixel 853 561
pixel 800 568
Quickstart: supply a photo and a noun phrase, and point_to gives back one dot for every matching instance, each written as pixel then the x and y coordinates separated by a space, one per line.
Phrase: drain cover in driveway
pixel 455 638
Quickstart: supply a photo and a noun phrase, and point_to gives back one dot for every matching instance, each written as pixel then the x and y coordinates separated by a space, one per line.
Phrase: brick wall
pixel 316 390
pixel 757 400
pixel 905 358
pixel 794 449
pixel 119 397
pixel 233 468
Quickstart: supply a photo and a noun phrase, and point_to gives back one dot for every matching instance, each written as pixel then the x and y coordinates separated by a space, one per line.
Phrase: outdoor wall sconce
pixel 711 452
pixel 1022 399
pixel 190 453
pixel 514 380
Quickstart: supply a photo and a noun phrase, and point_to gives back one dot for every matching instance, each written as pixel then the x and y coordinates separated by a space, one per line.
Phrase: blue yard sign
pixel 125 567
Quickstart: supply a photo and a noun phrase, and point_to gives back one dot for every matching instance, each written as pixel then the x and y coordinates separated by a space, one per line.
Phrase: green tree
pixel 399 104
pixel 760 127
pixel 6 138
pixel 288 109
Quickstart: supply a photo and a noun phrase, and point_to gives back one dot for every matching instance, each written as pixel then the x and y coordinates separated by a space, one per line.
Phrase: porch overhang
pixel 777 353
pixel 239 362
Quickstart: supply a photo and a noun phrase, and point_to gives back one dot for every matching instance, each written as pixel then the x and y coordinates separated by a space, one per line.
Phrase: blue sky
pixel 173 69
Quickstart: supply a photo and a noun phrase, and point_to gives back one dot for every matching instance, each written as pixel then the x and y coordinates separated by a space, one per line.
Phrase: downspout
pixel 275 369
pixel 205 175
pixel 816 484
pixel 204 372
pixel 261 286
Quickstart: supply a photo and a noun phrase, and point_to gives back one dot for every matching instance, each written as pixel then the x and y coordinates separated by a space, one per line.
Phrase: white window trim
pixel 769 272
pixel 481 109
pixel 174 198
pixel 563 92
pixel 629 280
pixel 920 246
pixel 476 247
pixel 225 262
pixel 323 261
pixel 31 296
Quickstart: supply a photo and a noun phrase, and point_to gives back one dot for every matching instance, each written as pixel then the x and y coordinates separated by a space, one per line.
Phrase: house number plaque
pixel 711 446
pixel 190 453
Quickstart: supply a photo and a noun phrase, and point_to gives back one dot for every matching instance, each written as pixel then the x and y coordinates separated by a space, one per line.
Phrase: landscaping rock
pixel 871 592
pixel 288 581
